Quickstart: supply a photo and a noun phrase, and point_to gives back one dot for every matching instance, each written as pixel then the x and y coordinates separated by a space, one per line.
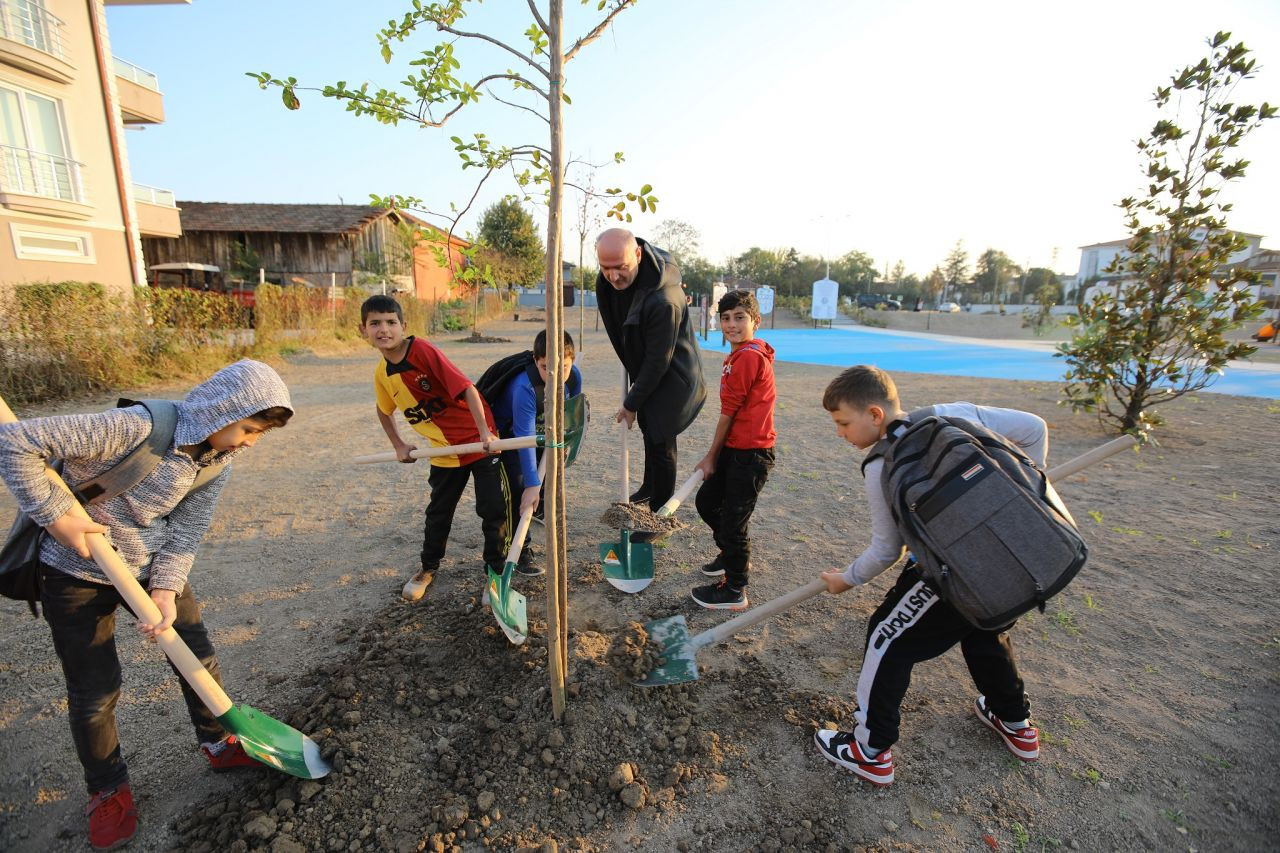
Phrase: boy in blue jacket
pixel 519 411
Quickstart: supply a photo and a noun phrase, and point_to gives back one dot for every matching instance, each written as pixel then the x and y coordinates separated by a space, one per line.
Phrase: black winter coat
pixel 657 345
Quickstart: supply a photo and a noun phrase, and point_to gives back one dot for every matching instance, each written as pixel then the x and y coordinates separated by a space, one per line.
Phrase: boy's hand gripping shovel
pixel 507 605
pixel 266 739
pixel 678 648
pixel 576 415
pixel 629 565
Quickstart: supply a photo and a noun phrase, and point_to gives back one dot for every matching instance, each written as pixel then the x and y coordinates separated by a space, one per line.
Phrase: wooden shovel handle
pixel 213 696
pixel 526 518
pixel 770 608
pixel 498 445
pixel 626 455
pixel 681 495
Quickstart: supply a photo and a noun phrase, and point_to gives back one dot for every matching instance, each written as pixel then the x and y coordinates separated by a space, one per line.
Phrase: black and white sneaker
pixel 721 596
pixel 714 569
pixel 843 749
pixel 528 565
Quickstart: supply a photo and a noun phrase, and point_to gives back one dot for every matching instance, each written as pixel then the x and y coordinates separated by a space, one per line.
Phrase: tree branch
pixel 517 106
pixel 537 16
pixel 508 48
pixel 596 31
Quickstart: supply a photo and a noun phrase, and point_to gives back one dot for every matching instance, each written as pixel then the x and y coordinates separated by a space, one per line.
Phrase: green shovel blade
pixel 671 636
pixel 628 566
pixel 508 606
pixel 576 412
pixel 273 743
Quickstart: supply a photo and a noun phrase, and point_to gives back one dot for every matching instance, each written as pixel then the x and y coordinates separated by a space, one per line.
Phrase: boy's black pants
pixel 515 489
pixel 82 617
pixel 492 505
pixel 726 502
pixel 914 624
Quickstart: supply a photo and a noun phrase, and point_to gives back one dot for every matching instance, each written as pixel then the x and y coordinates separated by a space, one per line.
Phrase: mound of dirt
pixel 638 517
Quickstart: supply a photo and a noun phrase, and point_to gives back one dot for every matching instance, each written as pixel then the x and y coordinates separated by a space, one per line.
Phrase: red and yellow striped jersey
pixel 428 390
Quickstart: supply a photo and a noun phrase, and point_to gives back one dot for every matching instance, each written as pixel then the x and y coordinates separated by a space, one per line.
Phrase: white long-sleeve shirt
pixel 1029 432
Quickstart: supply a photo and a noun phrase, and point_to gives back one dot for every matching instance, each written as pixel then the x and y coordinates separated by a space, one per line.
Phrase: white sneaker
pixel 417 585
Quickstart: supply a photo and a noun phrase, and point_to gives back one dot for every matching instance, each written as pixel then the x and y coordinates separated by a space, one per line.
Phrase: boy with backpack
pixel 737 465
pixel 515 388
pixel 914 623
pixel 156 528
pixel 441 404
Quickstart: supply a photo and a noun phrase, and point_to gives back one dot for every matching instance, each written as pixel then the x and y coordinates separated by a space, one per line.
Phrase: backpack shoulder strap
pixel 141 461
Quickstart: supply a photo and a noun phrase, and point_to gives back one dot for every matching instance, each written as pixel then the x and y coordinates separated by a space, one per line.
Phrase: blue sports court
pixel 952 356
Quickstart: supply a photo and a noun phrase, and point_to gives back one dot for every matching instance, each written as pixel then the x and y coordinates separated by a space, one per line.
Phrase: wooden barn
pixel 313 244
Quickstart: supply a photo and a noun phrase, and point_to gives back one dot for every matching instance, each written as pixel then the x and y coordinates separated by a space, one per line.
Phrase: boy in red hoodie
pixel 737 465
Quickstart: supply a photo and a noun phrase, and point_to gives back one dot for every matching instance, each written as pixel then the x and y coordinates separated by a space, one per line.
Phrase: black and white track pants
pixel 914 624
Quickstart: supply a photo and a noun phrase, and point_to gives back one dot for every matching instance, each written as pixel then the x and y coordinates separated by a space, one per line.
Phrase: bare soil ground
pixel 1153 677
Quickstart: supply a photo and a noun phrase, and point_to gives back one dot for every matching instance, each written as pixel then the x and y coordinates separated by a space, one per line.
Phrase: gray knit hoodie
pixel 153 529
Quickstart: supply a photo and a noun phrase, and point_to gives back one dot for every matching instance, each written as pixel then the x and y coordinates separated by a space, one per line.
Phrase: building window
pixel 34 153
pixel 47 244
pixel 29 22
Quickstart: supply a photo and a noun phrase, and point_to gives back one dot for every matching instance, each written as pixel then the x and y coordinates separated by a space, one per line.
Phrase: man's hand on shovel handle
pixel 70 529
pixel 165 600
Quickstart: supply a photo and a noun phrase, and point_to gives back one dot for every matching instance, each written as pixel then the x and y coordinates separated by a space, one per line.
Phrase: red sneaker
pixel 1022 742
pixel 842 748
pixel 227 755
pixel 112 818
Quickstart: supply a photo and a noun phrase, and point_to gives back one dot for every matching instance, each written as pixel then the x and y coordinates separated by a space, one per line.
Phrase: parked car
pixel 948 307
pixel 878 301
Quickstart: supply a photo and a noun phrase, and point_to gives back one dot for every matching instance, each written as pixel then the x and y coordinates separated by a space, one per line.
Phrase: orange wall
pixel 432 280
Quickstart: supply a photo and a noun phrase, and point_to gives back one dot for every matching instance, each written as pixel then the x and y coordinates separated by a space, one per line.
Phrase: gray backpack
pixel 20 556
pixel 984 524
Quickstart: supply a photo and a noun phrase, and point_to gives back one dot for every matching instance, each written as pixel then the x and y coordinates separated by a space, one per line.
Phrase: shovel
pixel 629 565
pixel 266 739
pixel 507 605
pixel 576 412
pixel 679 649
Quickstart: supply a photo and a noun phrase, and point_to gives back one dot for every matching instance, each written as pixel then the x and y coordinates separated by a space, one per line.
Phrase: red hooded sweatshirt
pixel 747 393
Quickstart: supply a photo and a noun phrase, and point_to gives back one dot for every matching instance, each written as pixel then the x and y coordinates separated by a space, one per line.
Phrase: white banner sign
pixel 825 293
pixel 764 295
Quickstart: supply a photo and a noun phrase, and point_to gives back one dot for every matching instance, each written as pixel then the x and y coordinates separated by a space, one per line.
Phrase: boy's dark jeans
pixel 726 502
pixel 82 616
pixel 492 505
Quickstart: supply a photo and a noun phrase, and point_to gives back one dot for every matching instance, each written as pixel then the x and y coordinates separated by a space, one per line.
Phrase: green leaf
pixel 386 53
pixel 646 189
pixel 290 98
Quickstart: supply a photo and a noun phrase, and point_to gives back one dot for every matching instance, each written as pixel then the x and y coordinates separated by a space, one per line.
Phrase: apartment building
pixel 69 209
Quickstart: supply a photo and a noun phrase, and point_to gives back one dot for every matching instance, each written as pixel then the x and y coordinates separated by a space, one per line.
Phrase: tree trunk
pixel 557 576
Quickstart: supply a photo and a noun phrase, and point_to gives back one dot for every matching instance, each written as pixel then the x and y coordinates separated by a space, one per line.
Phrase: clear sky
pixel 894 128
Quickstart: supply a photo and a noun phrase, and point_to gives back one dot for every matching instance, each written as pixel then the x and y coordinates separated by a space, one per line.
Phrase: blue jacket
pixel 516 413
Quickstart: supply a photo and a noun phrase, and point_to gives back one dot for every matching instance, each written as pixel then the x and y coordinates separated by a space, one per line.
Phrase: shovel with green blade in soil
pixel 507 605
pixel 263 738
pixel 628 565
pixel 678 648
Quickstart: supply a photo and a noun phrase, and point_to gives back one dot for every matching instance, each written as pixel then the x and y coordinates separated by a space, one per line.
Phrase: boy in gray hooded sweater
pixel 156 527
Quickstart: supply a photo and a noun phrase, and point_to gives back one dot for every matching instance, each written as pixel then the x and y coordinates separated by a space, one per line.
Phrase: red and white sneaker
pixel 113 820
pixel 1023 742
pixel 227 755
pixel 841 748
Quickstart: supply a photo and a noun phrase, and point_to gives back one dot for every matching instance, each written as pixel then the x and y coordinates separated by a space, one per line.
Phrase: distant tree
pixel 933 285
pixel 1161 334
pixel 509 242
pixel 856 272
pixel 699 274
pixel 955 269
pixel 763 266
pixel 1036 279
pixel 679 238
pixel 995 272
pixel 899 272
pixel 1045 297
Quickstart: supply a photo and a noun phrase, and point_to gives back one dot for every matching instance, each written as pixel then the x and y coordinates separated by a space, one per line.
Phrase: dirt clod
pixel 639 518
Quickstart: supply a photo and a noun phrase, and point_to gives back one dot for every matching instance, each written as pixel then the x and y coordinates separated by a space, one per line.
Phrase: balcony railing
pixel 37 173
pixel 152 195
pixel 129 71
pixel 29 22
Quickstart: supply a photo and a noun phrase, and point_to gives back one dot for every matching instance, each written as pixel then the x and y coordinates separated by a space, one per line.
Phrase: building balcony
pixel 32 39
pixel 139 94
pixel 158 214
pixel 36 182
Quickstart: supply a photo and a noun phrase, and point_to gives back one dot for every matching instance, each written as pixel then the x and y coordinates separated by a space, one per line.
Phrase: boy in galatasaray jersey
pixel 441 405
